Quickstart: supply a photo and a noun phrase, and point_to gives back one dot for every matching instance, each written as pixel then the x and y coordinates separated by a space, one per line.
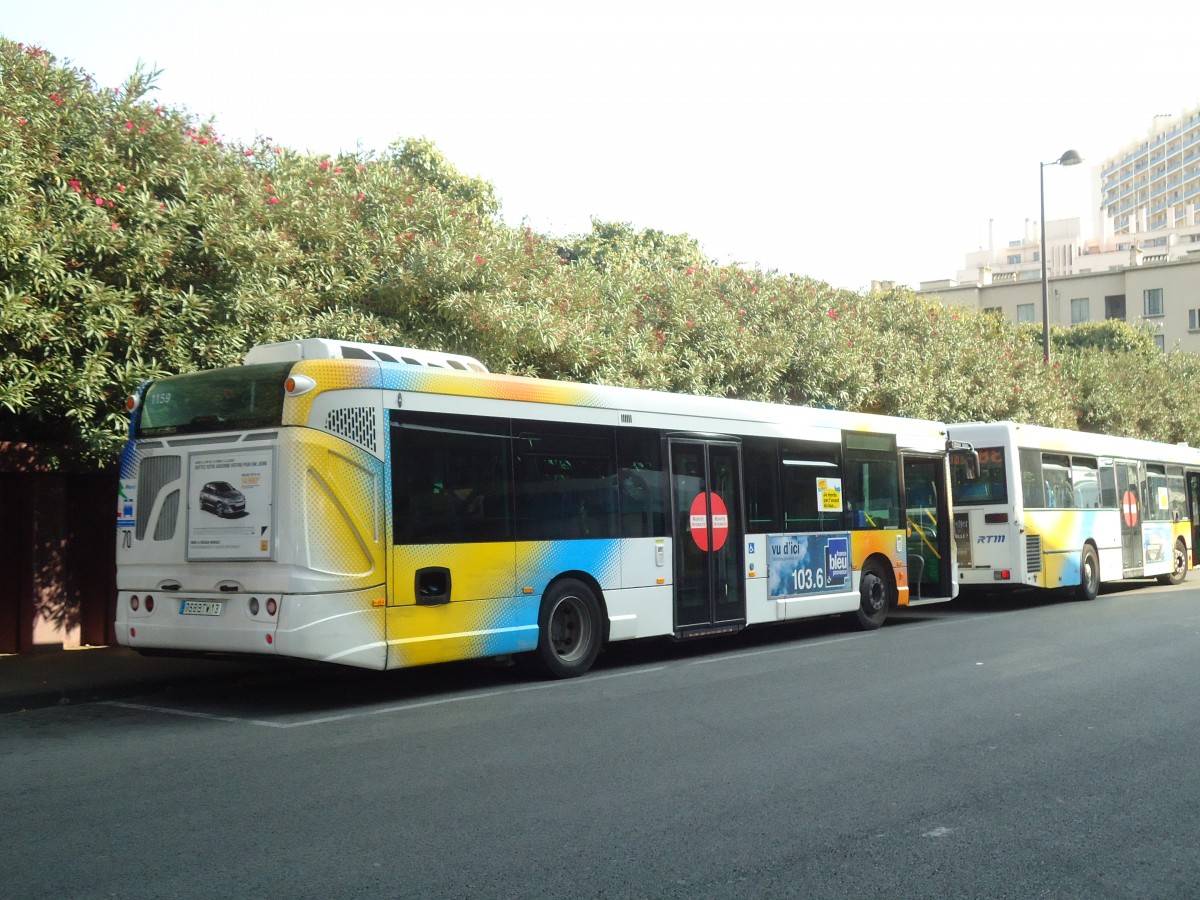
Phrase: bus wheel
pixel 569 630
pixel 1089 574
pixel 875 597
pixel 1179 565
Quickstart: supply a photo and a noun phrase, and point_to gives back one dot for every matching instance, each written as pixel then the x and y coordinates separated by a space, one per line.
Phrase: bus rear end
pixel 989 540
pixel 238 532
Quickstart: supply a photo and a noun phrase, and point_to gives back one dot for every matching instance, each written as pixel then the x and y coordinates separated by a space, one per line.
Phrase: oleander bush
pixel 135 242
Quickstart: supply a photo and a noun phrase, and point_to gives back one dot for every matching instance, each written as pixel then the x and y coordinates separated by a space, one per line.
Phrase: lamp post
pixel 1070 158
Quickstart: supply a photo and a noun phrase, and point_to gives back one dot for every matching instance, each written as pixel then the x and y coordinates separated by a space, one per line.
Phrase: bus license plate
pixel 199 608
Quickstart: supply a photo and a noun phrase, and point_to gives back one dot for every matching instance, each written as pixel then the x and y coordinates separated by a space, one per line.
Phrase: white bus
pixel 382 507
pixel 1054 508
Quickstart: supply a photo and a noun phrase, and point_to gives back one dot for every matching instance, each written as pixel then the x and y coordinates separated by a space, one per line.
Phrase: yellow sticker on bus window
pixel 829 494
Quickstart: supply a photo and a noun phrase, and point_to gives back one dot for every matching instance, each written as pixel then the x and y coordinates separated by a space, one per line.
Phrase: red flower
pixel 479 260
pixel 116 227
pixel 129 126
pixel 21 121
pixel 120 187
pixel 54 98
pixel 272 200
pixel 74 185
pixel 833 314
pixel 99 201
pixel 247 153
pixel 360 196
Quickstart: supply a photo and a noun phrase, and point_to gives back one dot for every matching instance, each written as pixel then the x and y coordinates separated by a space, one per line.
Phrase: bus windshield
pixel 990 487
pixel 219 400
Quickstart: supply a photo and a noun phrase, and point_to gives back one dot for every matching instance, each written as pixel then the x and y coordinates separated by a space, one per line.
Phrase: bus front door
pixel 706 503
pixel 928 527
pixel 1193 489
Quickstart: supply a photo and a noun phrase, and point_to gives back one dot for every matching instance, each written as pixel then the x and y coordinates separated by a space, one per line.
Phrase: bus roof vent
pixel 324 348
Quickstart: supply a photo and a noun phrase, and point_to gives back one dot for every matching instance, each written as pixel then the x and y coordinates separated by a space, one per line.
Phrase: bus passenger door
pixel 706 504
pixel 1193 493
pixel 1129 492
pixel 928 526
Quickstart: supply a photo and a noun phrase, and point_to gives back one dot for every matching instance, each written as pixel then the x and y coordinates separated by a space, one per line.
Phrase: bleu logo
pixel 837 561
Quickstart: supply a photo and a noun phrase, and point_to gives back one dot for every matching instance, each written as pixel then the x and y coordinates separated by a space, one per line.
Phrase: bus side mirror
pixel 968 458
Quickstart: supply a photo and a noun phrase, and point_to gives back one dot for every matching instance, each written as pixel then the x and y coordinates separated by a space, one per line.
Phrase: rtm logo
pixel 990 539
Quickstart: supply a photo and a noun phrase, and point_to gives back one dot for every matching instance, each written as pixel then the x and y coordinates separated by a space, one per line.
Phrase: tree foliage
pixel 135 242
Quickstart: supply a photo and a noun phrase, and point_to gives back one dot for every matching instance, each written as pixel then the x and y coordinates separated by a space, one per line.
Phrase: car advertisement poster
pixel 229 505
pixel 802 564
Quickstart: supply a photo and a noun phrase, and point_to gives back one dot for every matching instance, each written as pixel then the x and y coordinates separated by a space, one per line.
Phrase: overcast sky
pixel 847 142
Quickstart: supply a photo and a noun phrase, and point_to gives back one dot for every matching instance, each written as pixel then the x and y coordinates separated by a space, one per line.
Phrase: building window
pixel 993 311
pixel 1024 312
pixel 1194 320
pixel 1160 342
pixel 1079 310
pixel 1014 259
pixel 1153 305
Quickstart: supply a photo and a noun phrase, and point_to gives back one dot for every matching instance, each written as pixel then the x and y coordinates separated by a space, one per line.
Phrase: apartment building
pixel 1153 183
pixel 1141 264
pixel 1163 293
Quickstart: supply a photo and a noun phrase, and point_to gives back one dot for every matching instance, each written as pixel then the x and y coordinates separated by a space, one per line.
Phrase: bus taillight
pixel 272 606
pixel 298 384
pixel 134 602
pixel 149 603
pixel 1003 575
pixel 995 518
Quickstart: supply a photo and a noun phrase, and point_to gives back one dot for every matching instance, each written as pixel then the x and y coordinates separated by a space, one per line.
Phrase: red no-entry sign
pixel 700 516
pixel 1129 509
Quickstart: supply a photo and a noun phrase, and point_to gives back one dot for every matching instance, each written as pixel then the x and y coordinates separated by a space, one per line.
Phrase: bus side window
pixel 643 484
pixel 1033 489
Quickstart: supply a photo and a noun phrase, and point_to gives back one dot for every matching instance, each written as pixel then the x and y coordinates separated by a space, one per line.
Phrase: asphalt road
pixel 970 750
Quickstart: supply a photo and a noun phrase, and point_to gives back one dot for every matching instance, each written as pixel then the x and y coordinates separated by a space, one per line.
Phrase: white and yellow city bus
pixel 1054 508
pixel 384 507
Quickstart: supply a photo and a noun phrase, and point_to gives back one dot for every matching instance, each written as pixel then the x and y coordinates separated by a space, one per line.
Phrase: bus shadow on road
pixel 288 691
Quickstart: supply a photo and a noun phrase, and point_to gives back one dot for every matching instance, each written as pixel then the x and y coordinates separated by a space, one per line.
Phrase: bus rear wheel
pixel 570 630
pixel 1179 565
pixel 1089 575
pixel 876 597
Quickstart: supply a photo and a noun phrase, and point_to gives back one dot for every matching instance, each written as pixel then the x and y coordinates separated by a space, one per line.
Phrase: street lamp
pixel 1070 158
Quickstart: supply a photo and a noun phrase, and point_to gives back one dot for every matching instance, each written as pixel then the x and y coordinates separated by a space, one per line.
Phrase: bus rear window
pixel 990 487
pixel 230 399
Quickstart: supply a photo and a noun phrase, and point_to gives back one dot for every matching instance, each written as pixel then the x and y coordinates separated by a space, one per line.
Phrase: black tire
pixel 1089 574
pixel 876 596
pixel 570 630
pixel 1179 565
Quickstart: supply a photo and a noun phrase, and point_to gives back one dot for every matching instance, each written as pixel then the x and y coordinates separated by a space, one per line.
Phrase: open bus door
pixel 930 535
pixel 1193 494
